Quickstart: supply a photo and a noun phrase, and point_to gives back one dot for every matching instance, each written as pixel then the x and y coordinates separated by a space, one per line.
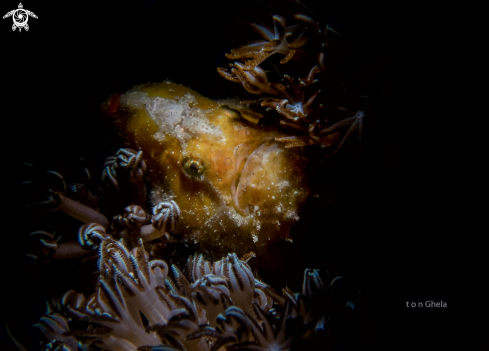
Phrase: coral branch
pixel 81 212
pixel 166 216
pixel 296 100
pixel 222 306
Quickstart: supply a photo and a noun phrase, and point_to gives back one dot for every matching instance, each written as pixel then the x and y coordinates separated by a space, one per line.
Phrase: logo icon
pixel 20 17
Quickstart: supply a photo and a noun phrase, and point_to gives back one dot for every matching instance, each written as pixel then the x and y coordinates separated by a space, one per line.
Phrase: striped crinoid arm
pixel 91 235
pixel 141 284
pixel 268 333
pixel 134 216
pixel 125 160
pixel 55 328
pixel 211 293
pixel 233 327
pixel 138 279
pixel 129 286
pixel 183 323
pixel 182 285
pixel 136 306
pixel 198 267
pixel 165 218
pixel 113 254
pixel 113 323
pixel 300 305
pixel 240 279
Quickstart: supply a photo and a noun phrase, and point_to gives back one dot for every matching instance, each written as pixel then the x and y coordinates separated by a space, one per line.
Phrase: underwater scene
pixel 222 176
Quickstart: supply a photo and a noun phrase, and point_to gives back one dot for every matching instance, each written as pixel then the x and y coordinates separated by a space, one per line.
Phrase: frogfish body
pixel 236 187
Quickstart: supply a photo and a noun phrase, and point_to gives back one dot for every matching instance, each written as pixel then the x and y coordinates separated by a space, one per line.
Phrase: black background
pixel 404 221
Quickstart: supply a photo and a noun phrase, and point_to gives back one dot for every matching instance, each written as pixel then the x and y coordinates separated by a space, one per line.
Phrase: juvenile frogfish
pixel 236 187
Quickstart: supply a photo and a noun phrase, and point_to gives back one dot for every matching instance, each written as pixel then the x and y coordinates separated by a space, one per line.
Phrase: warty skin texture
pixel 237 188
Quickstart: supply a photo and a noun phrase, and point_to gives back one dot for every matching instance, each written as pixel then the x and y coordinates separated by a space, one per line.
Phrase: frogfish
pixel 237 188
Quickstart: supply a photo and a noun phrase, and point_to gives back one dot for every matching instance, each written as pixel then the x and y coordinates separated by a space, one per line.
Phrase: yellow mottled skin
pixel 236 187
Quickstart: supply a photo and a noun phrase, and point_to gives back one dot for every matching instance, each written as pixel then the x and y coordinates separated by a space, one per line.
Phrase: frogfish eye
pixel 193 167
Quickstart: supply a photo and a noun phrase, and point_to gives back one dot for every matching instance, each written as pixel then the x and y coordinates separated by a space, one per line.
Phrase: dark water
pixel 399 219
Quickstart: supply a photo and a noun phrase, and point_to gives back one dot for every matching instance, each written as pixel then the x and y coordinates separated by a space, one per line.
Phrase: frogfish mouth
pixel 236 187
